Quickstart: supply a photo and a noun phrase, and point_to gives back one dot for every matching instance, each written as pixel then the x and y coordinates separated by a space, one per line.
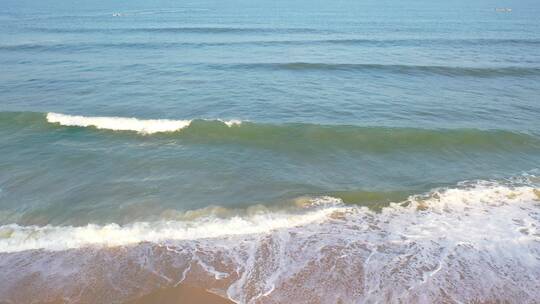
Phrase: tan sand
pixel 183 294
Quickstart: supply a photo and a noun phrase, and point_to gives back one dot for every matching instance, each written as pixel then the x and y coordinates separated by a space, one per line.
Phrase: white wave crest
pixel 232 122
pixel 143 126
pixel 15 238
pixel 453 203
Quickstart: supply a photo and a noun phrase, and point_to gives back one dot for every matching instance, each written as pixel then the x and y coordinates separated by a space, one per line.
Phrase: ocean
pixel 270 151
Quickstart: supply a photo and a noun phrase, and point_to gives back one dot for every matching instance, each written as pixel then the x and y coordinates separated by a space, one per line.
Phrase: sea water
pixel 319 151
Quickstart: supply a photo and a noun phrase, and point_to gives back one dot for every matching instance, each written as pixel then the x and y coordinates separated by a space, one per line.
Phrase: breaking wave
pixel 143 126
pixel 467 200
pixel 478 241
pixel 285 136
pixel 19 238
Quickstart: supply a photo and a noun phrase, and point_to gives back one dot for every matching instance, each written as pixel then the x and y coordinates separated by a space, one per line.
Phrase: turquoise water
pixel 261 107
pixel 57 174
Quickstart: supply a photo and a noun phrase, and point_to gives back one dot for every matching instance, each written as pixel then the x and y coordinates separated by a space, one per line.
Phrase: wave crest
pixel 204 225
pixel 143 126
pixel 477 242
pixel 215 222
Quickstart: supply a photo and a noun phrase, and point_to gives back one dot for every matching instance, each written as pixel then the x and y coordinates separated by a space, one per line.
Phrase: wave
pixel 347 39
pixel 285 136
pixel 486 72
pixel 431 42
pixel 143 126
pixel 473 242
pixel 183 29
pixel 19 238
pixel 468 197
pixel 80 46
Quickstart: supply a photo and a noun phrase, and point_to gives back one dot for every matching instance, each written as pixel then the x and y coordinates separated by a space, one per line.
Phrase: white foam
pixel 476 242
pixel 232 122
pixel 143 126
pixel 15 238
pixel 445 205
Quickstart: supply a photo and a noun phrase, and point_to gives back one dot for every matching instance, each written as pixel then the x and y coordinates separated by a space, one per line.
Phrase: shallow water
pixel 362 149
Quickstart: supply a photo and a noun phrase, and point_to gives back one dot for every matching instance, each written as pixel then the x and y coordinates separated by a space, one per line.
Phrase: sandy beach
pixel 181 294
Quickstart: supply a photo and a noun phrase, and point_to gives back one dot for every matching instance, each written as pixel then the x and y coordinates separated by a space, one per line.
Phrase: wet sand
pixel 184 294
